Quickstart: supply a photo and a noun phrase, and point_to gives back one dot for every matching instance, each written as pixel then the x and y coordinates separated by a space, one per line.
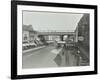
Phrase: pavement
pixel 67 58
pixel 33 49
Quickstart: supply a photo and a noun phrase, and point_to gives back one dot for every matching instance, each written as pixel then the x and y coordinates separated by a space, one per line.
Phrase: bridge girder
pixel 56 33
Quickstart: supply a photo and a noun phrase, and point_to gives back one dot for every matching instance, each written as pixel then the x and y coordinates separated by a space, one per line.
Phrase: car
pixel 59 44
pixel 25 45
pixel 32 44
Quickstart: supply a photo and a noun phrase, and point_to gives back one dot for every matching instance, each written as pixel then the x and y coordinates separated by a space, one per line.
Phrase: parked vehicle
pixel 32 44
pixel 25 45
pixel 59 44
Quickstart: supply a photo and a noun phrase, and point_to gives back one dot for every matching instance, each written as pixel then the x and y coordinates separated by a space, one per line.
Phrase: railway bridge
pixel 59 33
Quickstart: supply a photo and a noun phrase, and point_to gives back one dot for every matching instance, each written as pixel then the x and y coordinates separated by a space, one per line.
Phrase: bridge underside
pixel 56 33
pixel 61 34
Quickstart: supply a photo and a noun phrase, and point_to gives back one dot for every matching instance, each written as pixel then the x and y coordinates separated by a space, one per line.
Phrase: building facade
pixel 84 39
pixel 83 32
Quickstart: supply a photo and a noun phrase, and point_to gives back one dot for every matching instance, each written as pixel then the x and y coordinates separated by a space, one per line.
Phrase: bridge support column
pixel 61 37
pixel 76 35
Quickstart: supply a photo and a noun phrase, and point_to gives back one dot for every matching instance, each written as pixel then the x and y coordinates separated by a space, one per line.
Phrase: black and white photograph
pixel 53 39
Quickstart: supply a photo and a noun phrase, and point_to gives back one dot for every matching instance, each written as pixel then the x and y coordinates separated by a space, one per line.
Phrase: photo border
pixel 14 39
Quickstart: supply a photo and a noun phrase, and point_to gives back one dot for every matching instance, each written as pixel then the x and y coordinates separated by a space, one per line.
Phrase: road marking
pixel 56 51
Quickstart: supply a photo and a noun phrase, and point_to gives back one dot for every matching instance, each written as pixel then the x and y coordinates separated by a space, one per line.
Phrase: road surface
pixel 47 57
pixel 40 58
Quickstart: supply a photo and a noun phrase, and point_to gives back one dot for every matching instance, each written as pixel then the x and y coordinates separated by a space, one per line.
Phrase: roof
pixel 27 28
pixel 84 19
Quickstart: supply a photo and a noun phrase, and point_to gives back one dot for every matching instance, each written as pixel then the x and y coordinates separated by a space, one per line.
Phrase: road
pixel 39 58
pixel 47 57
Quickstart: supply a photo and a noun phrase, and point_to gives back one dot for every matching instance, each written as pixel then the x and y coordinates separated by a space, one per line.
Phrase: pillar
pixel 61 37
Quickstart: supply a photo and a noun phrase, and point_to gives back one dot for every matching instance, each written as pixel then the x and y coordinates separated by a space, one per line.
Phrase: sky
pixel 51 21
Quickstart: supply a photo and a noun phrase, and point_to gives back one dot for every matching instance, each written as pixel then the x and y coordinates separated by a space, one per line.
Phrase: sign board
pixel 80 38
